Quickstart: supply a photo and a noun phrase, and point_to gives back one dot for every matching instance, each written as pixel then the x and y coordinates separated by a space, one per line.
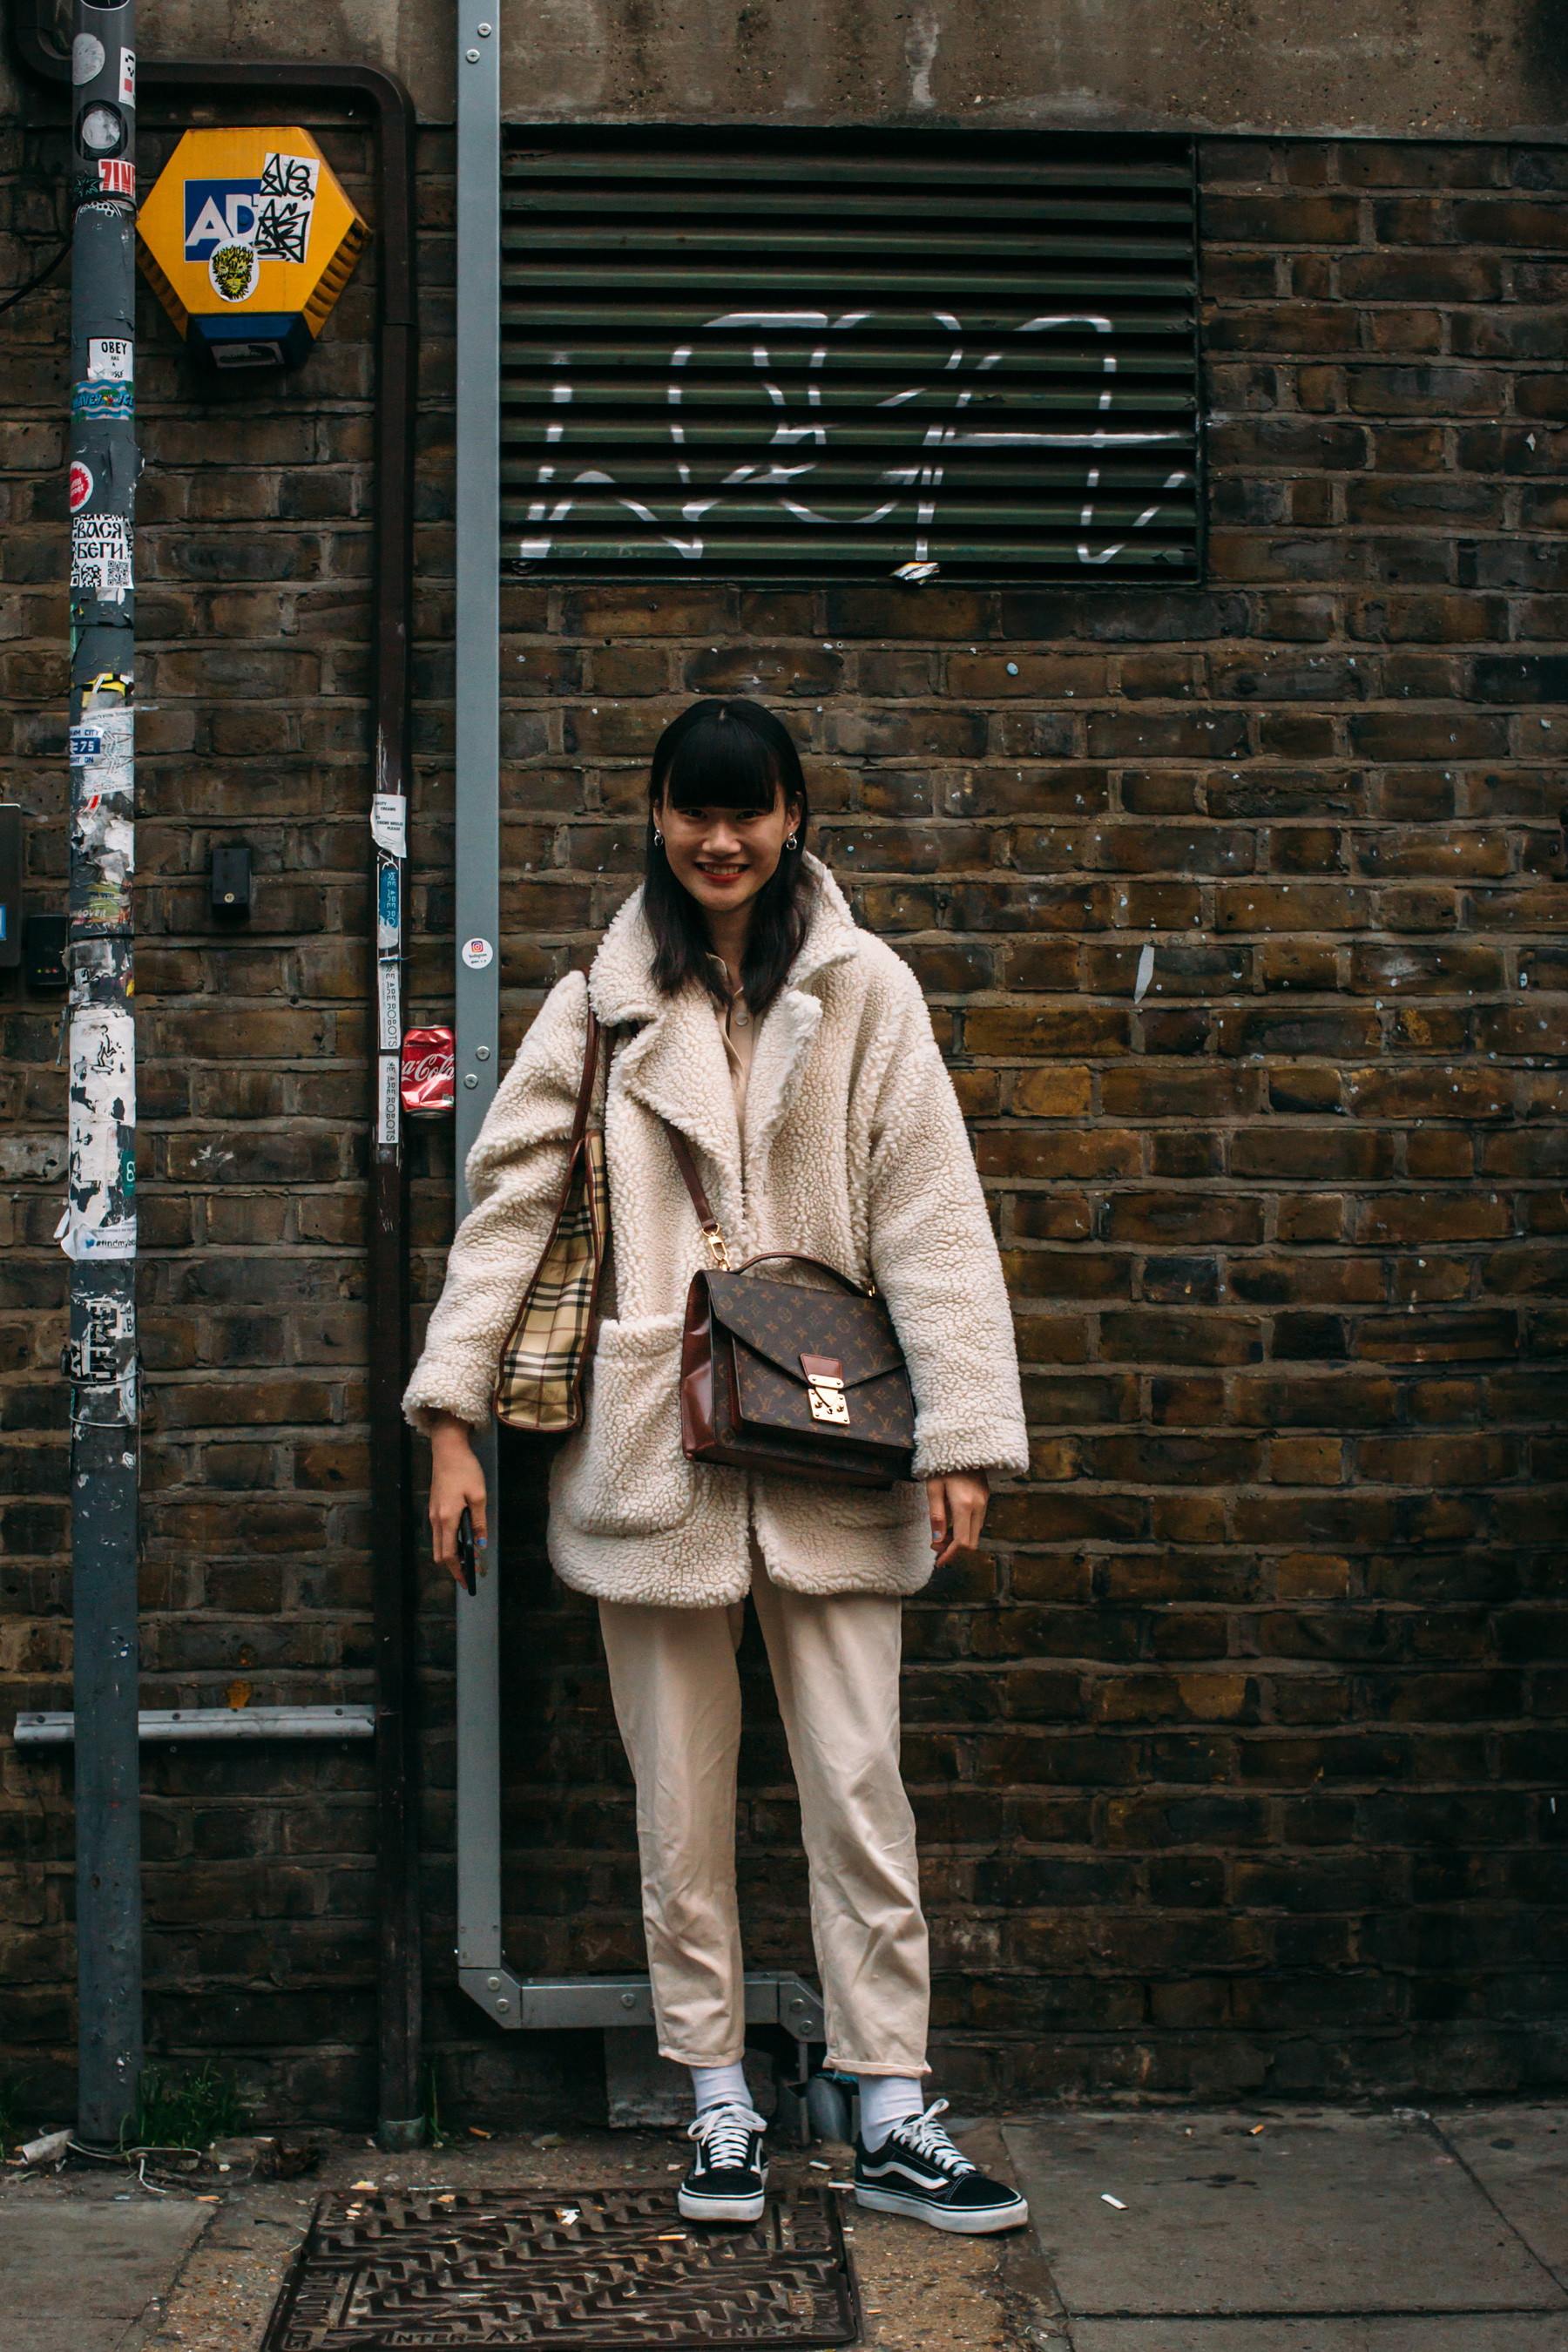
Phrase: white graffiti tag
pixel 792 355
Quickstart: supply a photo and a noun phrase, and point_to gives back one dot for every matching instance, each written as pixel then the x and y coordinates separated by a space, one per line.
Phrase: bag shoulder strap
pixel 712 1234
pixel 586 1085
pixel 718 1249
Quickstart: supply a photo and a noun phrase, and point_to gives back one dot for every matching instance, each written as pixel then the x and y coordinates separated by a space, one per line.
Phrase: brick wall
pixel 253 548
pixel 1234 1755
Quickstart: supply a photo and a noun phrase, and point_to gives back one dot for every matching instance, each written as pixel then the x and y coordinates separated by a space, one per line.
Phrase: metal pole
pixel 478 865
pixel 98 1230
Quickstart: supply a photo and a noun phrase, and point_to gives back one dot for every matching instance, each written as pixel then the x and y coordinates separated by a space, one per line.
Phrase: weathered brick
pixel 1286 1239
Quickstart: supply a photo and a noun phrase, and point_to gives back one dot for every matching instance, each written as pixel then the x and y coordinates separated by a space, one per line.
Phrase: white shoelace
pixel 724 2136
pixel 926 2136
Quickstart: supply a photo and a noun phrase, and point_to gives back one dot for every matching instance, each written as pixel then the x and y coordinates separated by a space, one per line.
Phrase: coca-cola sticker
pixel 477 953
pixel 81 484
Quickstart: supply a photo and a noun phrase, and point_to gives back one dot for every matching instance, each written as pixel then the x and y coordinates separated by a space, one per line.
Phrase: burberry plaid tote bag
pixel 539 1383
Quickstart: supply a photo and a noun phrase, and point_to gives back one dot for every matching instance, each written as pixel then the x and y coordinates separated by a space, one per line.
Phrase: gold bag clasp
pixel 825 1388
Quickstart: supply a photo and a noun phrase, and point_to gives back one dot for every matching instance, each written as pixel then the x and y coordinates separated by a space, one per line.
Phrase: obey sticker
pixel 81 484
pixel 477 954
pixel 111 358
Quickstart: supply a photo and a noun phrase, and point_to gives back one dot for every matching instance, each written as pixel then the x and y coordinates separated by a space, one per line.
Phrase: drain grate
pixel 596 2269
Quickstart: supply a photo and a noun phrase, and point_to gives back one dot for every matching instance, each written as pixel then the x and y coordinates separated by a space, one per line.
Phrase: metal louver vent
pixel 797 358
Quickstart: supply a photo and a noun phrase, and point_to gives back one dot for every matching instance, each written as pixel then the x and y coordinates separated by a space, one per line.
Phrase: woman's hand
pixel 957 1512
pixel 456 1481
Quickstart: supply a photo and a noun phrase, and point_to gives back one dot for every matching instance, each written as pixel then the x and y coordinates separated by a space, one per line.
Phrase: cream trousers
pixel 677 1694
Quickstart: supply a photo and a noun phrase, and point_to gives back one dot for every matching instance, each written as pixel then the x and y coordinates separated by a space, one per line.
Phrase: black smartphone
pixel 466 1550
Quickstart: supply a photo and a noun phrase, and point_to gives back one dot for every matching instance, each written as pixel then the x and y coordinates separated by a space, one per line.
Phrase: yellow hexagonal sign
pixel 248 239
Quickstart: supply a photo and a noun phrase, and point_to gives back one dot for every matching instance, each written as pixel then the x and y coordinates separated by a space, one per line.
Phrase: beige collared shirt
pixel 739 1031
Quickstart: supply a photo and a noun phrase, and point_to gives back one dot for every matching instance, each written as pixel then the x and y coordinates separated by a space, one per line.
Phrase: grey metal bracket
pixel 346 1722
pixel 773 1997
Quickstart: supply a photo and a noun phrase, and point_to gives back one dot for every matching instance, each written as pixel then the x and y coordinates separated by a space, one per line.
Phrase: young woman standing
pixel 795 1053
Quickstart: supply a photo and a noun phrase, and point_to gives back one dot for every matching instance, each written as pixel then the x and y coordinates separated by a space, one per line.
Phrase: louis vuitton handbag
pixel 806 1383
pixel 539 1383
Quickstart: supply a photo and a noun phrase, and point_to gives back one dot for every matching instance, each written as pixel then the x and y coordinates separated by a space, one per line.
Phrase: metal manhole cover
pixel 596 2269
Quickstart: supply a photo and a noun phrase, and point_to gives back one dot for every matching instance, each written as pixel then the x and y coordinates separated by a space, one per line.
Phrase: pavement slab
pixel 1319 2212
pixel 1491 2332
pixel 77 2273
pixel 1519 2155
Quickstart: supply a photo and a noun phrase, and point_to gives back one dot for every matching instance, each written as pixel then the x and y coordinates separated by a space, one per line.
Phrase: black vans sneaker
pixel 729 2179
pixel 918 2172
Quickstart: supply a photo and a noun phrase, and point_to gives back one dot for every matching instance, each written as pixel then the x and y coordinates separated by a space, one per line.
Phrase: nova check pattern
pixel 539 1386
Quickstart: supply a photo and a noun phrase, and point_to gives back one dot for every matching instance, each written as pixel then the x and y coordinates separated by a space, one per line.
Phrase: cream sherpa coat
pixel 855 1152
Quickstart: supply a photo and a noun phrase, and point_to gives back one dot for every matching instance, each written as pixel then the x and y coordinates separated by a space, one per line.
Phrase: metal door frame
pixel 773 1997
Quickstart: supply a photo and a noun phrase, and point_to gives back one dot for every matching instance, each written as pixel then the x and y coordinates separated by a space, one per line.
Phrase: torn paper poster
pixel 1145 974
pixel 389 823
pixel 100 1218
pixel 106 740
pixel 100 556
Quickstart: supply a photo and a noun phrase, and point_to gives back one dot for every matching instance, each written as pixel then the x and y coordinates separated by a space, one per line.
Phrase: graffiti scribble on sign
pixel 792 375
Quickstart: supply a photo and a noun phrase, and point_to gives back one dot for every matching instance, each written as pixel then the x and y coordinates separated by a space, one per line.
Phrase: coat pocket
pixel 898 1507
pixel 625 1474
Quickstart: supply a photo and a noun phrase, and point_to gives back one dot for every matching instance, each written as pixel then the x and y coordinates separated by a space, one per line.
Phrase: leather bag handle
pixel 798 1257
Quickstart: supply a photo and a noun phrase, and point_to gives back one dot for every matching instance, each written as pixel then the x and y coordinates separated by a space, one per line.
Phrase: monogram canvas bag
pixel 806 1383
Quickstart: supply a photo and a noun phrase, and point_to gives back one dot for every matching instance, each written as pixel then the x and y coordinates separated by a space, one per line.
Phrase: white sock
pixel 885 2100
pixel 720 2086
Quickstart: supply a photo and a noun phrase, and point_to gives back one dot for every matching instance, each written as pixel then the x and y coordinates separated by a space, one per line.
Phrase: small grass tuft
pixel 434 2135
pixel 188 2112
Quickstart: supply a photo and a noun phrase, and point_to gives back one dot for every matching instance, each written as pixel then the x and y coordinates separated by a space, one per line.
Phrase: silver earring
pixel 658 838
pixel 792 843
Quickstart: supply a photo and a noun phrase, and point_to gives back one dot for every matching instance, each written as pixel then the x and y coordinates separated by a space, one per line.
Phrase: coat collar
pixel 677 1066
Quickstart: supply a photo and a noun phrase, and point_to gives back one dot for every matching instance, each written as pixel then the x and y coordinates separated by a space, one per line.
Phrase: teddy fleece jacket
pixel 855 1152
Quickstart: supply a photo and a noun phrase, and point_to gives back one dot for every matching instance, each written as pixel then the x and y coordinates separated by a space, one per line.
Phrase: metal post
pixel 477 632
pixel 98 1230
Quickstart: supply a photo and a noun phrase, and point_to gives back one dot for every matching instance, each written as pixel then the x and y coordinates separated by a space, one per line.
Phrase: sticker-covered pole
pixel 98 1230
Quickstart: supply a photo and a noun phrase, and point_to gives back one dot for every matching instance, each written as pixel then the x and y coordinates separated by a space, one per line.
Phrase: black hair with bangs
pixel 727 754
